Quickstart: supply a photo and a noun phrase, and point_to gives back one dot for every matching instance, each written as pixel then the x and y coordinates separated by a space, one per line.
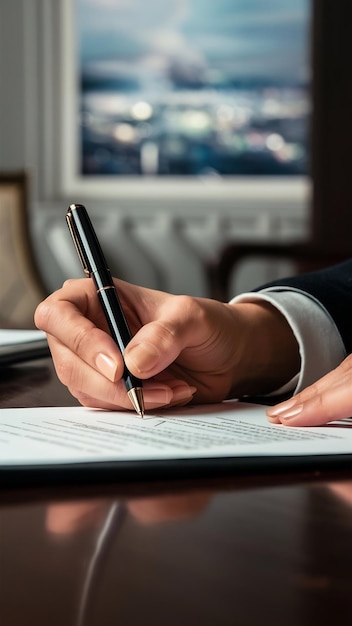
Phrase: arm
pixel 329 398
pixel 320 345
pixel 187 348
pixel 332 288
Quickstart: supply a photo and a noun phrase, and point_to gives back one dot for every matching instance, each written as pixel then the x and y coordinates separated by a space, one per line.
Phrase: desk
pixel 220 552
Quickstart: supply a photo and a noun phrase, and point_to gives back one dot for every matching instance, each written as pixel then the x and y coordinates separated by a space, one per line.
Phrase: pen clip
pixel 77 244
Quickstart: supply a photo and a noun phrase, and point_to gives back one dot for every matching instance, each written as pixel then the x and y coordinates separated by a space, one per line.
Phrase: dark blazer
pixel 333 288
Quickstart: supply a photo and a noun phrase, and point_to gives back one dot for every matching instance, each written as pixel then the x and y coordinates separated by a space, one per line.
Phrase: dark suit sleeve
pixel 333 288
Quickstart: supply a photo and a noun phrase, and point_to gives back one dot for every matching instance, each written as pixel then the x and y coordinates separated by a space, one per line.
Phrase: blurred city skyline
pixel 194 87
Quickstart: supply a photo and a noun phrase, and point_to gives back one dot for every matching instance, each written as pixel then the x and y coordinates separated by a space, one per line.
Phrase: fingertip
pixel 156 395
pixel 41 314
pixel 167 396
pixel 107 366
pixel 273 419
pixel 142 358
pixel 282 407
pixel 288 413
pixel 183 393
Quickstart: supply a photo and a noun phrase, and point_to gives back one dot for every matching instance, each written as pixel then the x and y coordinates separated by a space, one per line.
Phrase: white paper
pixel 18 336
pixel 18 345
pixel 40 436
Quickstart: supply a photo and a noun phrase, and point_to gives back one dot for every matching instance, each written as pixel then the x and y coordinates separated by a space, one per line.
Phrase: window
pixel 212 93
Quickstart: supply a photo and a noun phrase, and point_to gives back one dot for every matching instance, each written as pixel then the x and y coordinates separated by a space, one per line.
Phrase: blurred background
pixel 208 140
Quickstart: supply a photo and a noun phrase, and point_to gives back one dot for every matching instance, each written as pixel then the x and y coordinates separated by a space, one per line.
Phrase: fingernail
pixel 144 357
pixel 157 396
pixel 273 420
pixel 287 415
pixel 281 408
pixel 106 365
pixel 183 392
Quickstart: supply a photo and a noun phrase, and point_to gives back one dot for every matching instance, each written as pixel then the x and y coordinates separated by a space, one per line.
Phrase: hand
pixel 342 490
pixel 326 400
pixel 70 518
pixel 183 348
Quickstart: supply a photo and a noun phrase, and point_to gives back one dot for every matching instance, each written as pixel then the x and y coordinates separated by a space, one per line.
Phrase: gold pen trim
pixel 136 396
pixel 76 243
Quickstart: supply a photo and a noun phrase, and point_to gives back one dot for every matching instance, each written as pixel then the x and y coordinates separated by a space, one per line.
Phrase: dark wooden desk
pixel 239 552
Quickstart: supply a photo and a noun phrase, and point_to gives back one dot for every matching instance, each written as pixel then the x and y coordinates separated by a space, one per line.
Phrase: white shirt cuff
pixel 320 345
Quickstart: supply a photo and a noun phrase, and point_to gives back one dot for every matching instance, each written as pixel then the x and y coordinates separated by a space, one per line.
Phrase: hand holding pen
pixel 94 266
pixel 183 348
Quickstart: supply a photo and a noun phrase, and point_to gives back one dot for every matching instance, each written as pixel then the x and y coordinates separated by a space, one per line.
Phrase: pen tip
pixel 136 396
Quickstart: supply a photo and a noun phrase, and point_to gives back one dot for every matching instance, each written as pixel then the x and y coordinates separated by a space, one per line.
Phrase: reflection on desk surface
pixel 224 556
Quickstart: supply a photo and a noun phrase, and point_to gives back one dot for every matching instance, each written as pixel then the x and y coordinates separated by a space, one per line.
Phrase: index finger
pixel 73 317
pixel 326 400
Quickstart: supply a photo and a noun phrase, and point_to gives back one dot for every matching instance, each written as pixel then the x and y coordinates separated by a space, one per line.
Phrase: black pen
pixel 94 266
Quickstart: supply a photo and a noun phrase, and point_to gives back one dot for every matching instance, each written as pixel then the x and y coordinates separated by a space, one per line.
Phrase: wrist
pixel 266 350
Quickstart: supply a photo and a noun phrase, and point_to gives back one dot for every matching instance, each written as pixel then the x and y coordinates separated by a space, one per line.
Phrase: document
pixel 21 345
pixel 77 435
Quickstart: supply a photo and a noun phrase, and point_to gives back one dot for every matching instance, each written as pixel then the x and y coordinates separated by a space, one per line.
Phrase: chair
pixel 21 288
pixel 282 260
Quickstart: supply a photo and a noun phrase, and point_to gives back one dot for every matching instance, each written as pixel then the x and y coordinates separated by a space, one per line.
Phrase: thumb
pixel 152 349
